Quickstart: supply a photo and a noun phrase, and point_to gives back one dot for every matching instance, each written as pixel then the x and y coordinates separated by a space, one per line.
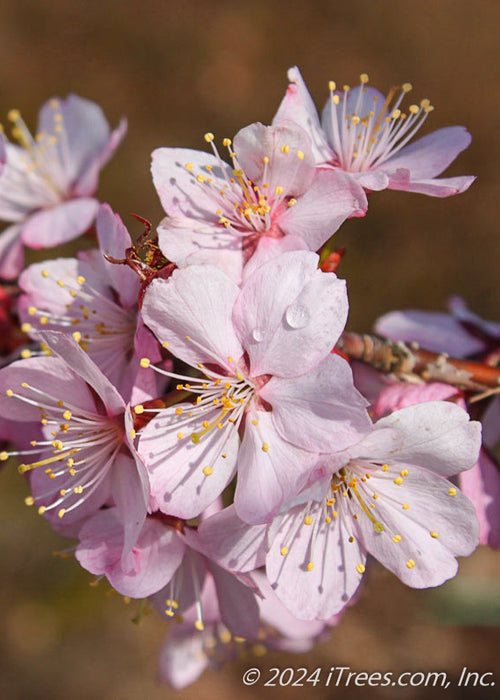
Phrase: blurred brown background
pixel 178 69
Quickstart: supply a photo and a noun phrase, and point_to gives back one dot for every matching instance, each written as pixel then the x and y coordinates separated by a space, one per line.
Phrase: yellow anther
pixel 29 500
pixel 279 189
pixel 9 392
pixel 226 142
pixel 26 327
pixel 165 344
pixel 360 569
pixel 355 120
pixel 300 155
pixel 25 354
pixel 285 149
pixel 385 467
pixel 308 520
pixel 410 563
pixel 45 273
pixel 363 78
pixel 41 510
pixel 406 87
pixel 3 456
pixel 332 85
pixel 60 283
pixel 67 415
pixel 200 178
pixel 425 103
pixel 414 109
pixel 77 336
pixel 265 447
pixel 145 362
pixel 310 566
pixel 207 470
pixel 80 279
pixel 32 310
pixel 209 137
pixel 452 492
pixel 199 625
pixel 284 551
pixel 404 472
pixel 133 434
pixel 62 492
pixel 179 411
pixel 139 409
pixel 406 506
pixel 336 99
pixel 398 480
pixel 346 88
pixel 396 114
pixel 434 534
pixel 397 538
pixel 180 436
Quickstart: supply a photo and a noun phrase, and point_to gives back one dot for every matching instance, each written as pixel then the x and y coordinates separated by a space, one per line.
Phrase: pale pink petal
pixel 233 543
pixel 130 488
pixel 238 606
pixel 180 193
pixel 68 350
pixel 373 180
pixel 59 224
pixel 319 592
pixel 151 564
pixel 320 411
pixel 269 248
pixel 270 470
pixel 114 239
pixel 333 197
pixel 440 187
pixel 436 435
pixel 396 396
pixel 433 330
pixel 52 377
pixel 11 252
pixel 182 658
pixel 298 106
pixel 430 155
pixel 288 149
pixel 192 312
pixel 179 485
pixel 436 525
pixel 286 305
pixel 89 176
pixel 482 485
pixel 191 242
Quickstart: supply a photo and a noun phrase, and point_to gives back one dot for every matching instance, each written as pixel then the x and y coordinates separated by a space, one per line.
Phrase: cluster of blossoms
pixel 180 409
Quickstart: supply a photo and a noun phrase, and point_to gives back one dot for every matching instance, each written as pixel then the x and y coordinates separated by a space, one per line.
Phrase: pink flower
pixel 85 457
pixel 48 183
pixel 367 135
pixel 387 496
pixel 270 199
pixel 264 367
pixel 96 302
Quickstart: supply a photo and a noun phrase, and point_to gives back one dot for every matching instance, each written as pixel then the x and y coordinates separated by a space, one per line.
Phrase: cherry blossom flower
pixel 368 135
pixel 96 302
pixel 264 368
pixel 48 182
pixel 85 457
pixel 268 200
pixel 387 496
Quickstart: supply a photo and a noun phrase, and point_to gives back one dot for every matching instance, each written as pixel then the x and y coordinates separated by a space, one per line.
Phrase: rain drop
pixel 297 315
pixel 257 335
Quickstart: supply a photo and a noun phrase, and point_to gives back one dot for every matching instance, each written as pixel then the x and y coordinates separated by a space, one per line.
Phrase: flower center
pixel 367 134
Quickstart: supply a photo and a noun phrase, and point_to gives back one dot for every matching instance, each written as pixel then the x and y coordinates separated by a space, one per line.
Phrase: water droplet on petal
pixel 257 335
pixel 297 315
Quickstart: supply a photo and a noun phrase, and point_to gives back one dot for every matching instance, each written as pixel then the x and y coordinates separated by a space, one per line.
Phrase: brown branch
pixel 408 360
